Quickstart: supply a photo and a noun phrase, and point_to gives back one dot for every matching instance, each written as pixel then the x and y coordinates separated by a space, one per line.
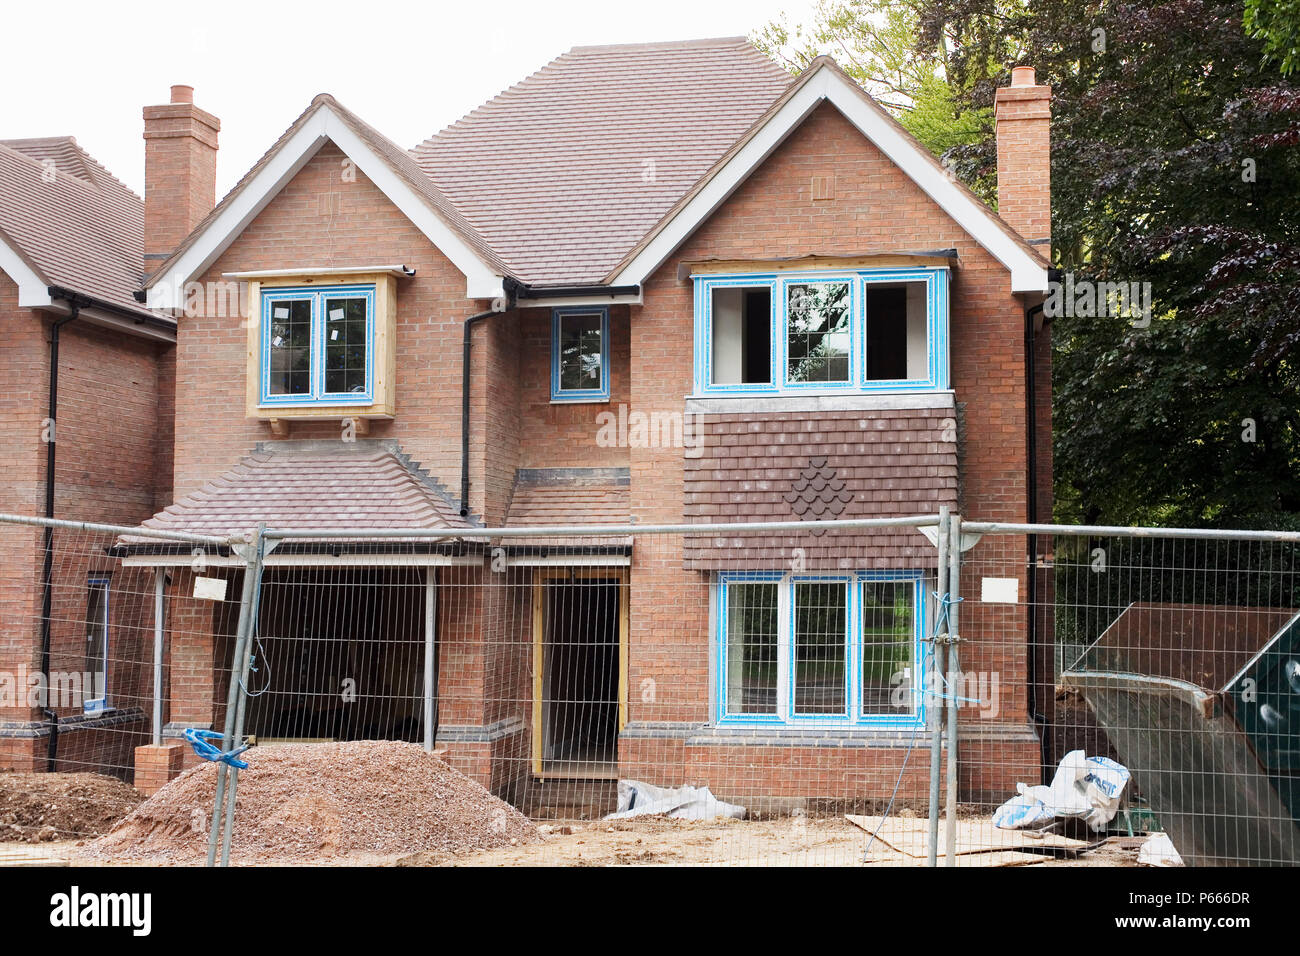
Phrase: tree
pixel 875 41
pixel 1175 166
pixel 1277 23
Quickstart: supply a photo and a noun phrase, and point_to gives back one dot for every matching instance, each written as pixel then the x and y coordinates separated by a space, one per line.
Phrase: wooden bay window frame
pixel 378 399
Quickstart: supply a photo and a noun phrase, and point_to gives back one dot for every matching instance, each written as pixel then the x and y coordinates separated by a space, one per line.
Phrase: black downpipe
pixel 466 348
pixel 1031 541
pixel 47 568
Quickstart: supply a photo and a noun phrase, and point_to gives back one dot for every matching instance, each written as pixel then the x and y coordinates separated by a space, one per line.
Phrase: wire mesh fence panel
pixel 1162 686
pixel 88 684
pixel 772 694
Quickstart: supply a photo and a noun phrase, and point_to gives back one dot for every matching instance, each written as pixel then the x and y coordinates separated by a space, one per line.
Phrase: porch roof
pixel 311 485
pixel 569 497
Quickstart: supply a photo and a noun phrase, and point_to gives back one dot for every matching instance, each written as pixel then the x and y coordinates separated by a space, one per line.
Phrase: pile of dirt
pixel 343 802
pixel 42 807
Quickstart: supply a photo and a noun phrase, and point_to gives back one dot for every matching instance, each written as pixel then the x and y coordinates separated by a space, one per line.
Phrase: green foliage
pixel 875 42
pixel 1174 163
pixel 1277 24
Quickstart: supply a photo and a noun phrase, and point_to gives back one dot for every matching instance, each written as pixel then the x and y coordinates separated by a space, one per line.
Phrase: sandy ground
pixel 658 842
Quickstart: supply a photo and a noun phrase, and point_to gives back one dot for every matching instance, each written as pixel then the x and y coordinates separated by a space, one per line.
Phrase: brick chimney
pixel 1023 115
pixel 180 172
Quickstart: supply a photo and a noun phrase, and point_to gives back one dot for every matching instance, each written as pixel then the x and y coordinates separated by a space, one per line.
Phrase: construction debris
pixel 333 802
pixel 637 799
pixel 44 807
pixel 911 838
pixel 1159 850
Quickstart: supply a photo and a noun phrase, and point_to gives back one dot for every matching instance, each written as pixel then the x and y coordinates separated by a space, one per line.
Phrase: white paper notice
pixel 336 315
pixel 1000 590
pixel 281 313
pixel 334 334
pixel 210 589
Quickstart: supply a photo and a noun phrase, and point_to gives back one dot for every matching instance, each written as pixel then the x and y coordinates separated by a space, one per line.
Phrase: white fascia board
pixel 1027 275
pixel 167 292
pixel 33 291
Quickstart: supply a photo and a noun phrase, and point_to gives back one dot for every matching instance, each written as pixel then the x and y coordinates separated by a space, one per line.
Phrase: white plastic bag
pixel 1089 788
pixel 636 799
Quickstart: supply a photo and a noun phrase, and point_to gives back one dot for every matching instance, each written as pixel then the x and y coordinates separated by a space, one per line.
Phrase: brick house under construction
pixel 677 231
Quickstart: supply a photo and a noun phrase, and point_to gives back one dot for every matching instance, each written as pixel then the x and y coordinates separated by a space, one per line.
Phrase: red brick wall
pixel 293 230
pixel 111 426
pixel 564 434
pixel 876 209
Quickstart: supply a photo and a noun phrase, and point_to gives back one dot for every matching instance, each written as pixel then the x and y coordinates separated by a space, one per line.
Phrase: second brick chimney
pixel 180 172
pixel 1023 115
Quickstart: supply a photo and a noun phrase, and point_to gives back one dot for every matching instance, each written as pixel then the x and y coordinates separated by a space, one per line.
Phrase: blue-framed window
pixel 832 649
pixel 95 692
pixel 580 355
pixel 866 330
pixel 318 346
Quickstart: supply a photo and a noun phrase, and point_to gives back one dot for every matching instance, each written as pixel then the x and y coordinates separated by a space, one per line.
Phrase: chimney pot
pixel 1020 76
pixel 182 93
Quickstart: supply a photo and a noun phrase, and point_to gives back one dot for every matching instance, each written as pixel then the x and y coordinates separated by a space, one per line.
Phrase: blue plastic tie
pixel 199 741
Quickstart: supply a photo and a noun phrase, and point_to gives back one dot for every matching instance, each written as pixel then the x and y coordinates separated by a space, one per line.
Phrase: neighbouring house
pixel 88 380
pixel 678 231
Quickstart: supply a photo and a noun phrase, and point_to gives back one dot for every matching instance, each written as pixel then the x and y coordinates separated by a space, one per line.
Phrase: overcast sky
pixel 86 69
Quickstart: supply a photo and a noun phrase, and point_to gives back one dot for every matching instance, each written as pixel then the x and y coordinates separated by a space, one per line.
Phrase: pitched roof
pixel 70 221
pixel 387 164
pixel 570 497
pixel 314 485
pixel 564 172
pixel 593 169
pixel 821 81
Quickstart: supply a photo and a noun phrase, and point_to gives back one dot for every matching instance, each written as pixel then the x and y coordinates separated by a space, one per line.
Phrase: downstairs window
pixel 832 649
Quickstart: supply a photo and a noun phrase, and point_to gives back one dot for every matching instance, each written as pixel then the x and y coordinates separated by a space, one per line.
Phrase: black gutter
pixel 47 567
pixel 72 297
pixel 522 290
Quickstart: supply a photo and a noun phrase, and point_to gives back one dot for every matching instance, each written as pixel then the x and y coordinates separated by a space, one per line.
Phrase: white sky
pixel 86 69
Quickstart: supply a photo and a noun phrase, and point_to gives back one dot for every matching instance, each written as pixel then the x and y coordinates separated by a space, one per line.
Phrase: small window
pixel 95 692
pixel 318 346
pixel 818 332
pixel 752 648
pixel 291 347
pixel 580 355
pixel 897 338
pixel 740 345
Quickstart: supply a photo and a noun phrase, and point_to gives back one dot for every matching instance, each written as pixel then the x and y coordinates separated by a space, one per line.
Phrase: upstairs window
pixel 868 331
pixel 818 332
pixel 580 355
pixel 318 346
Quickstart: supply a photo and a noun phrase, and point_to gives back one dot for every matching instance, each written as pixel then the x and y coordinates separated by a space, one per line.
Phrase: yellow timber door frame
pixel 541 580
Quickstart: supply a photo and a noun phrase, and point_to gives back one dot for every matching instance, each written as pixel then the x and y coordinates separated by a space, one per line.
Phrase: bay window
pixel 822 332
pixel 318 346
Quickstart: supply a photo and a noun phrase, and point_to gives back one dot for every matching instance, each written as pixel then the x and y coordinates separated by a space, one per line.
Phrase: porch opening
pixel 340 654
pixel 580 677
